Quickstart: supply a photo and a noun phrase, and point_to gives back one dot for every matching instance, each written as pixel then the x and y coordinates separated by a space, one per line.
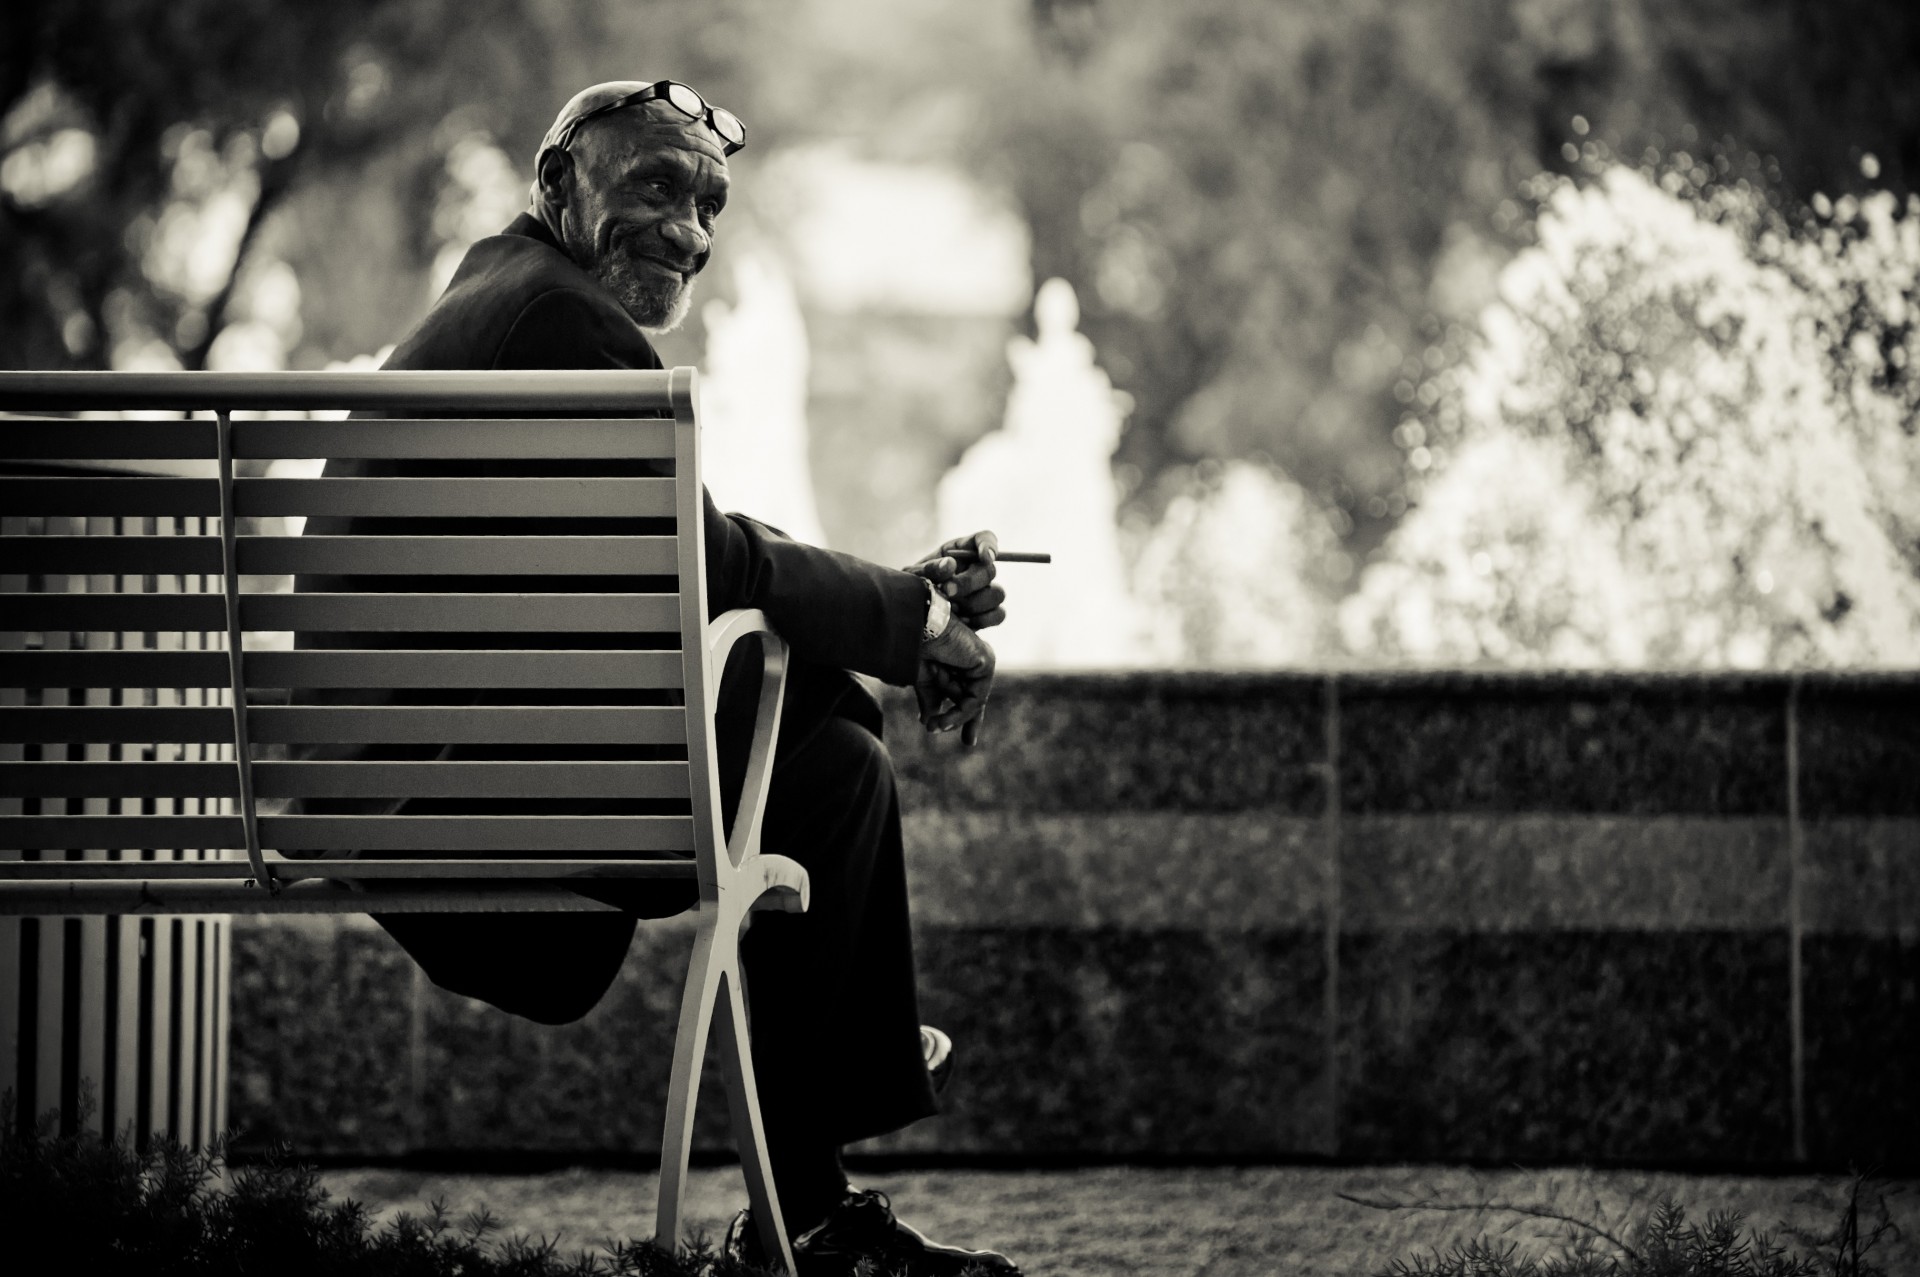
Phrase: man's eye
pixel 709 209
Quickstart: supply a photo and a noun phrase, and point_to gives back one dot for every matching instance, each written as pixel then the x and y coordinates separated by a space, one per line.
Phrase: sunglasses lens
pixel 728 126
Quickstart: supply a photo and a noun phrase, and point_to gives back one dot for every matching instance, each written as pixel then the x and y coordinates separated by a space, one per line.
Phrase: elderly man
pixel 630 182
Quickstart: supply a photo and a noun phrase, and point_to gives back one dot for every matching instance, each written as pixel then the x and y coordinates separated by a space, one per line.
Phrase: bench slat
pixel 350 724
pixel 285 556
pixel 471 779
pixel 327 668
pixel 117 555
pixel 468 725
pixel 477 833
pixel 445 498
pixel 440 779
pixel 519 670
pixel 284 870
pixel 364 833
pixel 526 438
pixel 459 613
pixel 519 392
pixel 411 613
pixel 428 556
pixel 63 899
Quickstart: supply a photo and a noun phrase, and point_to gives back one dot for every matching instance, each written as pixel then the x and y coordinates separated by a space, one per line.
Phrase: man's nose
pixel 686 235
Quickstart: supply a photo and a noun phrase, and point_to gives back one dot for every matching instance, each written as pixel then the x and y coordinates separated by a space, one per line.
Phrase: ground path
pixel 1221 1222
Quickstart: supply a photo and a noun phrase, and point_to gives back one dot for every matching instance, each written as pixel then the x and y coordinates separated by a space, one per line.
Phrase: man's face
pixel 648 185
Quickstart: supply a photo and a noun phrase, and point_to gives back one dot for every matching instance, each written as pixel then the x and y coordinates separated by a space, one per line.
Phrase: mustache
pixel 634 243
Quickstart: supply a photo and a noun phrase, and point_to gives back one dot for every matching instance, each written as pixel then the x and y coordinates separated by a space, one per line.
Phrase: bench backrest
pixel 128 737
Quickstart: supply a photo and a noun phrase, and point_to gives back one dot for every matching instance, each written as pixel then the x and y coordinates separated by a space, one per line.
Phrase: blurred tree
pixel 184 108
pixel 1279 214
pixel 371 100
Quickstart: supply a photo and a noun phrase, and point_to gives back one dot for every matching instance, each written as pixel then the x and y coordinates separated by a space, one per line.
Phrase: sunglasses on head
pixel 725 124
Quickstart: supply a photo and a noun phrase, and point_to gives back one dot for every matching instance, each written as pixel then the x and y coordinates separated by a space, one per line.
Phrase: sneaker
pixel 863 1227
pixel 937 1049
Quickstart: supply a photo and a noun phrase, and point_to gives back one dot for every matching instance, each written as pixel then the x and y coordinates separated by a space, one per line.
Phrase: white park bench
pixel 121 743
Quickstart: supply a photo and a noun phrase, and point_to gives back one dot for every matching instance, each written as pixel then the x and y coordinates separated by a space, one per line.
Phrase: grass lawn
pixel 1225 1222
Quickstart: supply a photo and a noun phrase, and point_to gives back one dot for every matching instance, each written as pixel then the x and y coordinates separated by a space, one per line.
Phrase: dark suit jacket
pixel 517 301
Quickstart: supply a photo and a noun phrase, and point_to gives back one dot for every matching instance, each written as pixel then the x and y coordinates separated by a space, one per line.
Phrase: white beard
pixel 657 305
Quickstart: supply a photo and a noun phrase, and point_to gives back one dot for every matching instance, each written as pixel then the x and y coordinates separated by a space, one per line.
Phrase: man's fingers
pixel 938 569
pixel 981 545
pixel 977 577
pixel 961 711
pixel 983 542
pixel 927 693
pixel 970 734
pixel 979 602
pixel 969 698
pixel 979 551
pixel 986 620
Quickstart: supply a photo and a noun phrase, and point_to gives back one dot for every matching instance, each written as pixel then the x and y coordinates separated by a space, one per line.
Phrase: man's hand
pixel 956 677
pixel 976 599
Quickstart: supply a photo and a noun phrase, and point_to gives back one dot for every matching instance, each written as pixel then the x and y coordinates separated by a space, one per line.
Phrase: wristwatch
pixel 939 614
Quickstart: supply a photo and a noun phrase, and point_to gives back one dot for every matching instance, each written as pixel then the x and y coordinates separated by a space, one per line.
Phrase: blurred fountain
pixel 1682 439
pixel 1044 481
pixel 753 397
pixel 1238 571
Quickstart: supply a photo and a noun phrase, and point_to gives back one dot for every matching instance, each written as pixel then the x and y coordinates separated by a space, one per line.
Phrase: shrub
pixel 94 1205
pixel 1663 1243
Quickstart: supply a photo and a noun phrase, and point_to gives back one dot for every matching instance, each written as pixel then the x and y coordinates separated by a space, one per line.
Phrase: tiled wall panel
pixel 1493 917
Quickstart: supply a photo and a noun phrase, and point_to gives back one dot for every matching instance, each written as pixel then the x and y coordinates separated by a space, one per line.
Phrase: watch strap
pixel 939 614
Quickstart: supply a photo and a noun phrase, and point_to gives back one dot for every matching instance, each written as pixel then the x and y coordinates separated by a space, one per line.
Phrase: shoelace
pixel 874 1197
pixel 855 1197
pixel 856 1200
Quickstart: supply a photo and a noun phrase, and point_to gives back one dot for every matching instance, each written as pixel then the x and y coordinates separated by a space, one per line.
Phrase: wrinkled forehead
pixel 631 131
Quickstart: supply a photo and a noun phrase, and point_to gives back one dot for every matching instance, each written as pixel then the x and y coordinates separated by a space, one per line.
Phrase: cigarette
pixel 1004 556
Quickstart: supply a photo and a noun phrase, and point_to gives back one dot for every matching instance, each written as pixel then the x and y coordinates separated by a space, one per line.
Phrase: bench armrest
pixel 780 883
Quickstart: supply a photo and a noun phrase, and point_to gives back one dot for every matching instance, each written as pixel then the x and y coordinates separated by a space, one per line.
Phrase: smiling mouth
pixel 664 268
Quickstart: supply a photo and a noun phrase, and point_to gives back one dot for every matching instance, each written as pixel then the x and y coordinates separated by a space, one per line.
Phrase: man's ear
pixel 555 179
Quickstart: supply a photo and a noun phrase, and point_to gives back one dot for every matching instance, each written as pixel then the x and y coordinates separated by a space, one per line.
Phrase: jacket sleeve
pixel 832 608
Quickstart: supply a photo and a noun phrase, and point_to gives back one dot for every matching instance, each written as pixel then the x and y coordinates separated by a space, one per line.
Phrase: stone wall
pixel 1556 917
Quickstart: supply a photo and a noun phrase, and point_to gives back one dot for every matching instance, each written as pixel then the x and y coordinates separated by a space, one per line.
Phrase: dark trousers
pixel 830 992
pixel 835 1015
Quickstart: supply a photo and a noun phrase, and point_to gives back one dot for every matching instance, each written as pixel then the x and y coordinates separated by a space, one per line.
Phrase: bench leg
pixel 689 1050
pixel 749 1135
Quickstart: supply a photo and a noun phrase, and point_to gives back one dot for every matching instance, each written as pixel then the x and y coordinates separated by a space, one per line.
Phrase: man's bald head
pixel 632 196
